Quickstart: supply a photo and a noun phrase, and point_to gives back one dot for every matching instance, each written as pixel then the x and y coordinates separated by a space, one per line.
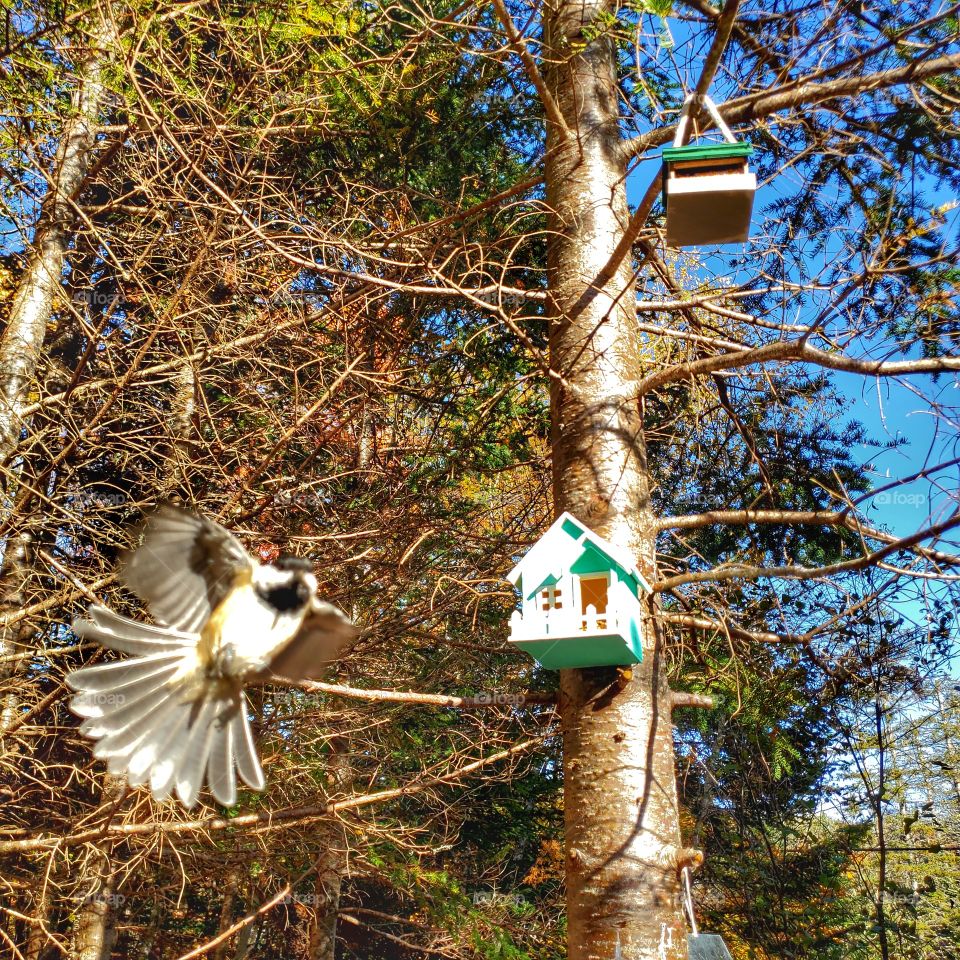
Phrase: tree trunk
pixel 23 338
pixel 37 938
pixel 93 929
pixel 331 861
pixel 34 300
pixel 622 826
pixel 226 912
pixel 176 479
pixel 246 936
pixel 14 654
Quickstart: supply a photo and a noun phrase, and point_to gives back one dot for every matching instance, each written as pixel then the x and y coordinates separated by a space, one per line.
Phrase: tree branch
pixel 827 518
pixel 264 818
pixel 519 47
pixel 805 93
pixel 794 351
pixel 794 572
pixel 432 699
pixel 724 626
pixel 686 698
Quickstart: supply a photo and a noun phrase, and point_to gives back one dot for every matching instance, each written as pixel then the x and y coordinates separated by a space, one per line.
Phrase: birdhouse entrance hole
pixel 593 602
pixel 709 166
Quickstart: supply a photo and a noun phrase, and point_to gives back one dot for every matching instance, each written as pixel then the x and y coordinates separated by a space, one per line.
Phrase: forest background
pixel 363 281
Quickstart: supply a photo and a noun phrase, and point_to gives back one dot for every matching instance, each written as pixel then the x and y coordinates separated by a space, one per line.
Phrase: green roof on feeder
pixel 560 548
pixel 705 151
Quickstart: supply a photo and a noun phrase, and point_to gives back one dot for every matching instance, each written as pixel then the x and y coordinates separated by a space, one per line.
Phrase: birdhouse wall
pixel 709 167
pixel 704 210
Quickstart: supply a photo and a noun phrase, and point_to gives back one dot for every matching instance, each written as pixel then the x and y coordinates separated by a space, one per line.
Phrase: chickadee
pixel 176 711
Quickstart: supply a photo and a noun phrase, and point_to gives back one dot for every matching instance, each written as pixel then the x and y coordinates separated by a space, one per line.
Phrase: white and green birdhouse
pixel 708 188
pixel 579 600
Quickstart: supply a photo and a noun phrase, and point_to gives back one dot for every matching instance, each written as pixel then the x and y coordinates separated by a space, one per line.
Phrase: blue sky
pixel 893 411
pixel 916 419
pixel 889 410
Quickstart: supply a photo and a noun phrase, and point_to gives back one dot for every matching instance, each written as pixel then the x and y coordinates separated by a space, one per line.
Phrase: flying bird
pixel 175 713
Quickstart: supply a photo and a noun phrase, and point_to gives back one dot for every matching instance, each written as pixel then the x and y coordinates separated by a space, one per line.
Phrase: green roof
pixel 707 151
pixel 561 547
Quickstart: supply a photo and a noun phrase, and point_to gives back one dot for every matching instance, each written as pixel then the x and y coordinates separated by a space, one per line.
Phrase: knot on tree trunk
pixel 688 857
pixel 576 859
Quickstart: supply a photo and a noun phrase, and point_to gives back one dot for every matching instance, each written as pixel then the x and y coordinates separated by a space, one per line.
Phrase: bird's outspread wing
pixel 324 633
pixel 184 567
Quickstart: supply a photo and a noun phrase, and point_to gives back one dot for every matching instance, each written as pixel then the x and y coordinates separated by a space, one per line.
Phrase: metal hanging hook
pixel 688 901
pixel 681 136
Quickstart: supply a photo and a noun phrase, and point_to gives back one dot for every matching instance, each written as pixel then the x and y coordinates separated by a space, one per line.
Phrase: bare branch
pixel 795 350
pixel 793 572
pixel 806 93
pixel 519 46
pixel 268 818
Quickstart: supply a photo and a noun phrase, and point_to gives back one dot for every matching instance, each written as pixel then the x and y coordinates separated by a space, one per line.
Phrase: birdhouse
pixel 707 188
pixel 579 600
pixel 700 946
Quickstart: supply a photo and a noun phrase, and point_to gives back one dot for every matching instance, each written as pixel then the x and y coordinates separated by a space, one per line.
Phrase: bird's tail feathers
pixel 156 717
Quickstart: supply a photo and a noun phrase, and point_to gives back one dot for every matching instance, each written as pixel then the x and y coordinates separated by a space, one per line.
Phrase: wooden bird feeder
pixel 579 600
pixel 700 946
pixel 707 946
pixel 707 188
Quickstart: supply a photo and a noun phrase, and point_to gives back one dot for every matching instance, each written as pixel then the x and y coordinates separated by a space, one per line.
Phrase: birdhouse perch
pixel 707 188
pixel 579 600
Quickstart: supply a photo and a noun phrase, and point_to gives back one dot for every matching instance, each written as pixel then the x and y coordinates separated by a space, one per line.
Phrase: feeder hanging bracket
pixel 682 127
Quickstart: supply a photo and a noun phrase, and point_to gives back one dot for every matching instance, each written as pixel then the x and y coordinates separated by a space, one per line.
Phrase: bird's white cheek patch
pixel 250 633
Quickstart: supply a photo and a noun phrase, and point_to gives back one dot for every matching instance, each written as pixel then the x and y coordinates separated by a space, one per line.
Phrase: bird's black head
pixel 286 597
pixel 294 592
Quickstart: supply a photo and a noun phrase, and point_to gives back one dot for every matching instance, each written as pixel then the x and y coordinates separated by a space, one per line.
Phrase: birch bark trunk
pixel 331 862
pixel 622 823
pixel 36 294
pixel 95 924
pixel 94 929
pixel 22 340
pixel 14 638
